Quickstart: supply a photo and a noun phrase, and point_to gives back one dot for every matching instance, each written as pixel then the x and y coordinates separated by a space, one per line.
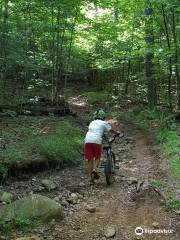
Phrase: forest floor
pixel 100 212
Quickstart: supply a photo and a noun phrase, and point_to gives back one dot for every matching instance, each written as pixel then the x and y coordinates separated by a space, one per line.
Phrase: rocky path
pixel 99 212
pixel 116 211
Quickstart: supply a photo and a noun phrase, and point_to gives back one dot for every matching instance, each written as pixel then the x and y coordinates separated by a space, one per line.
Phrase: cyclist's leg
pixel 97 162
pixel 98 152
pixel 90 171
pixel 88 155
pixel 90 166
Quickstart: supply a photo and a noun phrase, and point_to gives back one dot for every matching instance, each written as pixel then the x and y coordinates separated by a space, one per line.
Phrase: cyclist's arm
pixel 109 128
pixel 114 132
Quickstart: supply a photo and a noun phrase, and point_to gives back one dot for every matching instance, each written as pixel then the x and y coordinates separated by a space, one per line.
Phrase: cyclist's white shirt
pixel 96 130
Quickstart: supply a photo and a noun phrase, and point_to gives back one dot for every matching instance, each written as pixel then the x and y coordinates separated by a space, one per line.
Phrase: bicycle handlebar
pixel 116 135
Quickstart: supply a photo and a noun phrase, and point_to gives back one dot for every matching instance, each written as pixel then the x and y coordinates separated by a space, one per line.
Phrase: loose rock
pixel 81 184
pixel 56 199
pixel 110 232
pixel 73 199
pixel 90 208
pixel 64 203
pixel 6 197
pixel 129 139
pixel 29 238
pixel 121 149
pixel 48 184
pixel 155 224
pixel 177 212
pixel 40 189
pixel 132 180
pixel 2 237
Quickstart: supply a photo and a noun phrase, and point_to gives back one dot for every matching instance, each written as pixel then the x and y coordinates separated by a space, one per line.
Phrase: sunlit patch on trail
pixel 78 101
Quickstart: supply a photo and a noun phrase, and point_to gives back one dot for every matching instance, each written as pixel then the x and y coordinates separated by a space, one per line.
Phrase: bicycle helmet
pixel 99 114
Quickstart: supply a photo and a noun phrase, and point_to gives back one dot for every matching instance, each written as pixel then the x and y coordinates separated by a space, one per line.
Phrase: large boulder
pixel 32 207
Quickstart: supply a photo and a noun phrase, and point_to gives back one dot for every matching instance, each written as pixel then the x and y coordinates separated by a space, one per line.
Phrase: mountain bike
pixel 110 159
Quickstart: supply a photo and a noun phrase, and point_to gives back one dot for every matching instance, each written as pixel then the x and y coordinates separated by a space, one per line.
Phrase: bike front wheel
pixel 109 167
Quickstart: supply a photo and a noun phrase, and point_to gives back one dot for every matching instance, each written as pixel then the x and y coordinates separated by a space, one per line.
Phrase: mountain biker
pixel 93 142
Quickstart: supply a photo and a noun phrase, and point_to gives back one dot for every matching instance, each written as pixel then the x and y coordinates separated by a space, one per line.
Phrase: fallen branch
pixel 161 194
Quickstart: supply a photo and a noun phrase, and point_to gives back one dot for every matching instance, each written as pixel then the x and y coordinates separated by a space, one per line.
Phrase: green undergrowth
pixel 63 148
pixel 174 204
pixel 158 184
pixel 96 97
pixel 171 201
pixel 165 131
pixel 56 143
pixel 17 224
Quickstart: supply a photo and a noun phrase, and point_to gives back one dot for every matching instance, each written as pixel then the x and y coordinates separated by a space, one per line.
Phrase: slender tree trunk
pixel 128 78
pixel 122 76
pixel 116 12
pixel 176 57
pixel 70 45
pixel 52 55
pixel 169 59
pixel 149 38
pixel 26 68
pixel 1 45
pixel 61 52
pixel 96 7
pixel 32 35
pixel 57 51
pixel 4 40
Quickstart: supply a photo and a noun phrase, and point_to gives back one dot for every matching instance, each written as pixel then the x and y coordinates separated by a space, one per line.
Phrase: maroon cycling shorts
pixel 92 150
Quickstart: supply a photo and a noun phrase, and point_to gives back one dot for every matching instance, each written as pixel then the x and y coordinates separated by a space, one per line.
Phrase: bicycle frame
pixel 110 160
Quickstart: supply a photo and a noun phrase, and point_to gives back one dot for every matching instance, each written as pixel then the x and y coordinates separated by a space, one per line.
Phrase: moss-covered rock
pixel 32 207
pixel 6 197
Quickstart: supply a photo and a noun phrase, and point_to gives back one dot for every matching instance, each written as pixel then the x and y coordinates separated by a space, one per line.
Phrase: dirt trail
pixel 118 206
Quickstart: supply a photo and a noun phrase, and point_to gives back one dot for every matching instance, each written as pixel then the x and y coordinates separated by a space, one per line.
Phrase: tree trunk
pixel 116 12
pixel 128 78
pixel 60 66
pixel 149 38
pixel 169 59
pixel 70 45
pixel 52 55
pixel 176 57
pixel 4 40
pixel 57 50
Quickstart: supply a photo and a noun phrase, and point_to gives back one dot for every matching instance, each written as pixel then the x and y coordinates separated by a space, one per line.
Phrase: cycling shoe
pixel 95 175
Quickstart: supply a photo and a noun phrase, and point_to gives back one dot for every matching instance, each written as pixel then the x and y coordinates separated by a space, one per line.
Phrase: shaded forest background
pixel 130 48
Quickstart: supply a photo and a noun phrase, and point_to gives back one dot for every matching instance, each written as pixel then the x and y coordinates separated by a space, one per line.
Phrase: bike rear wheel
pixel 109 167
